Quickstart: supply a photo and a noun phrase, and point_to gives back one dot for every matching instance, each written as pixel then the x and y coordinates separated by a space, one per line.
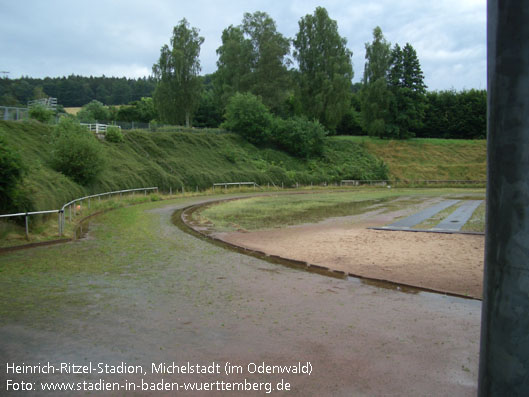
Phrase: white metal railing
pixel 381 182
pixel 99 128
pixel 61 212
pixel 226 184
pixel 13 113
pixel 50 102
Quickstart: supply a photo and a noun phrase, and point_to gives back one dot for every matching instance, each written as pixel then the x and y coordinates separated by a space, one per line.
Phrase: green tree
pixel 378 57
pixel 38 93
pixel 408 100
pixel 270 77
pixel 325 68
pixel 113 134
pixel 455 115
pixel 234 66
pixel 375 96
pixel 41 113
pixel 253 58
pixel 92 112
pixel 177 93
pixel 299 136
pixel 76 152
pixel 248 116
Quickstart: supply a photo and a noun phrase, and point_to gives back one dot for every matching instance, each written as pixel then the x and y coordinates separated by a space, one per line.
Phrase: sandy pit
pixel 450 263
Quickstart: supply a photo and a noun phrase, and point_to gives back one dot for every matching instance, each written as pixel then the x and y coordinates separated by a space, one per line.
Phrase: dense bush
pixel 114 134
pixel 459 115
pixel 41 113
pixel 351 124
pixel 11 173
pixel 138 111
pixel 247 116
pixel 92 112
pixel 76 152
pixel 299 136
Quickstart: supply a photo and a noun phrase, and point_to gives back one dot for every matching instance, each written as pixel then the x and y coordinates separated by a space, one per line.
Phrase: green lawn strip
pixel 476 223
pixel 269 212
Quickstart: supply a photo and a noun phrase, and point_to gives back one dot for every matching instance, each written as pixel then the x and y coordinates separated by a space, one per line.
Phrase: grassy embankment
pixel 277 211
pixel 429 159
pixel 176 159
pixel 171 160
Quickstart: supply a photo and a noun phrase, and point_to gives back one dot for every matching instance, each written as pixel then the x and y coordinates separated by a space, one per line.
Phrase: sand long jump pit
pixel 426 238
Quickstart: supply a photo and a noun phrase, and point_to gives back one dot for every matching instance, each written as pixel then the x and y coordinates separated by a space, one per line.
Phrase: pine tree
pixel 407 102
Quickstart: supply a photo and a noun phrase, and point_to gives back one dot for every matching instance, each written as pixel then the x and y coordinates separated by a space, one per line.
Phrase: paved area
pixel 457 219
pixel 419 217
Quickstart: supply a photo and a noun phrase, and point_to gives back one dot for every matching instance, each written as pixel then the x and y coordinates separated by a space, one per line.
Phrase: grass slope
pixel 429 159
pixel 175 159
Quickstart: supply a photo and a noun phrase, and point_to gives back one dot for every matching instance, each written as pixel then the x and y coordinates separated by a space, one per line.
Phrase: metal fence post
pixel 27 228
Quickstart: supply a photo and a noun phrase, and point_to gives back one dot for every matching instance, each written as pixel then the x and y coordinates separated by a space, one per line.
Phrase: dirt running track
pixel 207 304
pixel 450 263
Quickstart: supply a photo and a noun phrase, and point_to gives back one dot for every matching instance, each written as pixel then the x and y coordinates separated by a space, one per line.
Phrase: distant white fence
pixel 99 128
pixel 50 103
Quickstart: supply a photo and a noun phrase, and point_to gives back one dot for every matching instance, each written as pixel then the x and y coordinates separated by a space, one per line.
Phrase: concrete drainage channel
pixel 182 218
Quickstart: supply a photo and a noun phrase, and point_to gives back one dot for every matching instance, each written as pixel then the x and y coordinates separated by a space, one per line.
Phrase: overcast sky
pixel 124 37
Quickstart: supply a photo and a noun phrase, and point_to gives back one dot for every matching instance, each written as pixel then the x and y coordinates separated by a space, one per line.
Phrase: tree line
pixel 75 91
pixel 306 77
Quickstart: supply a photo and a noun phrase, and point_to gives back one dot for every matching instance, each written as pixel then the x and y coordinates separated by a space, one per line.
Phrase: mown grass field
pixel 429 159
pixel 281 210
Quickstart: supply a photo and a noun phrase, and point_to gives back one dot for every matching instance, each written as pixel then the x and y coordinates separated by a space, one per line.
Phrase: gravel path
pixel 180 299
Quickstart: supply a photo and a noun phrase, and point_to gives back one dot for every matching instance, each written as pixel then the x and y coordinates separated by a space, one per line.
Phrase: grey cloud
pixel 123 38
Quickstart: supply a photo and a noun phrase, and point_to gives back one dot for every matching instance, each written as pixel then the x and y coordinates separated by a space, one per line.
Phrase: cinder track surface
pixel 142 291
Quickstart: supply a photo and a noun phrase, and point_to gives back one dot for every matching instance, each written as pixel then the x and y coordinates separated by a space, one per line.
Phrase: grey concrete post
pixel 504 354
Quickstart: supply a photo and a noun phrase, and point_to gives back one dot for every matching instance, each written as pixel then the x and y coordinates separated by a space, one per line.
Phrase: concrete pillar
pixel 504 354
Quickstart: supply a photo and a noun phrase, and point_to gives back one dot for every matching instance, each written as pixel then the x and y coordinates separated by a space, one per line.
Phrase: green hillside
pixel 429 159
pixel 199 159
pixel 172 159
